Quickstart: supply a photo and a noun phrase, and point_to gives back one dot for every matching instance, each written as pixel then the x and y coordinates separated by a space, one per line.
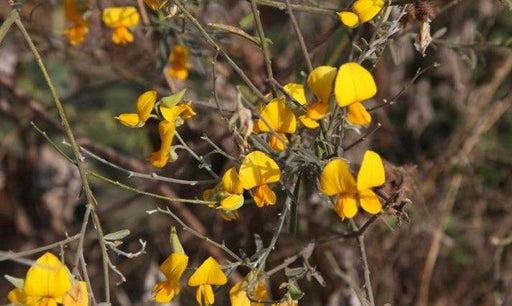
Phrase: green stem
pixel 76 151
pixel 264 45
pixel 212 43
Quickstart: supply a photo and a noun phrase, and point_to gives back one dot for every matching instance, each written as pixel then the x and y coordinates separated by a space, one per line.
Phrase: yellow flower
pixel 358 115
pixel 46 283
pixel 336 179
pixel 320 81
pixel 238 293
pixel 173 267
pixel 280 119
pixel 145 104
pixel 120 19
pixel 173 116
pixel 208 274
pixel 178 62
pixel 258 170
pixel 353 84
pixel 228 193
pixel 296 90
pixel 77 32
pixel 362 11
pixel 156 5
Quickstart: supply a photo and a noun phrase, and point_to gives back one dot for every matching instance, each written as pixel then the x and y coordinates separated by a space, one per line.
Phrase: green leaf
pixel 174 99
pixel 16 282
pixel 117 235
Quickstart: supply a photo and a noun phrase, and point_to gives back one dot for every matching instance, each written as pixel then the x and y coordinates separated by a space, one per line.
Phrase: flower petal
pixel 145 104
pixel 166 130
pixel 129 119
pixel 280 118
pixel 77 295
pixel 264 196
pixel 349 19
pixel 296 90
pixel 209 272
pixel 278 144
pixel 318 110
pixel 371 174
pixel 370 202
pixel 48 277
pixel 174 266
pixel 308 122
pixel 257 169
pixel 358 115
pixel 231 182
pixel 336 178
pixel 320 81
pixel 124 16
pixel 346 206
pixel 232 202
pixel 353 84
pixel 367 9
pixel 122 36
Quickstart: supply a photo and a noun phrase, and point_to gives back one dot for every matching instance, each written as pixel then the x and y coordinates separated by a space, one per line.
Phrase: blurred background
pixel 446 138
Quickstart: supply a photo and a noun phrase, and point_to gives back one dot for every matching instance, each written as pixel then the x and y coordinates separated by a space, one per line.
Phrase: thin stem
pixel 196 233
pixel 5 255
pixel 209 39
pixel 362 138
pixel 6 25
pixel 153 195
pixel 264 46
pixel 202 163
pixel 150 176
pixel 300 38
pixel 76 151
pixel 297 7
pixel 366 267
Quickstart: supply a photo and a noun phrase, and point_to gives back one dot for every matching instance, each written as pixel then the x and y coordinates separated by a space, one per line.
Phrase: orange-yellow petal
pixel 129 119
pixel 349 19
pixel 156 4
pixel 166 130
pixel 346 205
pixel 232 202
pixel 145 104
pixel 16 296
pixel 257 169
pixel 204 295
pixel 367 9
pixel 358 115
pixel 48 277
pixel 370 202
pixel 296 90
pixel 278 144
pixel 122 36
pixel 353 84
pixel 231 182
pixel 336 178
pixel 264 196
pixel 209 272
pixel 308 122
pixel 320 80
pixel 280 118
pixel 371 174
pixel 178 72
pixel 318 110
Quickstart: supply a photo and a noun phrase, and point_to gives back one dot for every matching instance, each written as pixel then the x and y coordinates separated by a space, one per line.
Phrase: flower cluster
pixel 171 114
pixel 48 282
pixel 79 28
pixel 362 11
